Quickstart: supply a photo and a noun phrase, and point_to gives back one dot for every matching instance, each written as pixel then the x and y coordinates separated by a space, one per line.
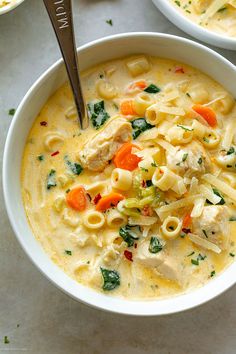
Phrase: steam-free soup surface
pixel 142 203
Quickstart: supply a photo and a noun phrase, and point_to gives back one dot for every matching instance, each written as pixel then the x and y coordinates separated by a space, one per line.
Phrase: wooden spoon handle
pixel 60 13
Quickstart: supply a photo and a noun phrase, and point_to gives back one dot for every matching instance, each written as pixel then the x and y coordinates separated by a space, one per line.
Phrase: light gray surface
pixel 49 321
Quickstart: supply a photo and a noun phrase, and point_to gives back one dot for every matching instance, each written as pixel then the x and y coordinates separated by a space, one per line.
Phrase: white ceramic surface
pixel 160 45
pixel 188 26
pixel 11 6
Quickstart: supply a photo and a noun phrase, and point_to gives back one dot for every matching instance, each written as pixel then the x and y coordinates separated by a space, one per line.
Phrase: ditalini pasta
pixel 146 194
pixel 214 15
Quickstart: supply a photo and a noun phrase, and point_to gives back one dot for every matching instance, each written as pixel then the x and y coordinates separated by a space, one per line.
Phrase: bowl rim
pixel 7 8
pixel 93 298
pixel 192 28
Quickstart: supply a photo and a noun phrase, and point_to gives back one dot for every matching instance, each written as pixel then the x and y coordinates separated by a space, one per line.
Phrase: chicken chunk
pixel 213 225
pixel 190 160
pixel 98 151
pixel 164 264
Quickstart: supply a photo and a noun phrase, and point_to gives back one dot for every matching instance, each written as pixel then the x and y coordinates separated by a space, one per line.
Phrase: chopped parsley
pixel 6 340
pixel 40 157
pixel 128 235
pixel 143 169
pixel 111 279
pixel 213 273
pixel 69 253
pixel 205 234
pixel 154 164
pixel 232 218
pixel 51 179
pixel 155 245
pixel 199 258
pixel 185 156
pixel 184 128
pixel 75 167
pixel 222 9
pixel 152 89
pixel 206 140
pixel 230 151
pixel 190 254
pixel 139 126
pixel 109 22
pixel 199 161
pixel 97 114
pixel 11 112
pixel 177 3
pixel 195 262
pixel 232 254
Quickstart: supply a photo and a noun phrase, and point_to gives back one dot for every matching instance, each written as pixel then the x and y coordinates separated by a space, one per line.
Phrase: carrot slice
pixel 206 113
pixel 127 108
pixel 125 159
pixel 76 198
pixel 109 201
pixel 142 84
pixel 186 221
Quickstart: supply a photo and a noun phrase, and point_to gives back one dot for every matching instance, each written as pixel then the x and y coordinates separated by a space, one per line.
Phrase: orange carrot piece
pixel 186 221
pixel 109 201
pixel 76 198
pixel 206 113
pixel 142 84
pixel 125 159
pixel 127 108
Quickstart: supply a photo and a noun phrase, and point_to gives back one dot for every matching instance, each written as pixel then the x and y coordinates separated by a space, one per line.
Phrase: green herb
pixel 139 126
pixel 51 180
pixel 204 231
pixel 68 190
pixel 155 245
pixel 154 164
pixel 222 9
pixel 199 161
pixel 109 22
pixel 101 76
pixel 232 218
pixel 184 128
pixel 143 169
pixel 75 167
pixel 18 325
pixel 152 89
pixel 182 235
pixel 213 273
pixel 232 254
pixel 188 94
pixel 69 253
pixel 111 279
pixel 216 192
pixel 206 140
pixel 200 257
pixel 128 235
pixel 195 262
pixel 6 340
pixel 185 156
pixel 230 151
pixel 11 112
pixel 40 157
pixel 177 3
pixel 97 114
pixel 149 183
pixel 190 254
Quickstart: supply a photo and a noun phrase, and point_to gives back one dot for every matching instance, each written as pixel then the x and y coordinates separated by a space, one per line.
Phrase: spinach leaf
pixel 75 167
pixel 216 192
pixel 111 279
pixel 155 245
pixel 128 235
pixel 97 114
pixel 51 179
pixel 152 89
pixel 140 125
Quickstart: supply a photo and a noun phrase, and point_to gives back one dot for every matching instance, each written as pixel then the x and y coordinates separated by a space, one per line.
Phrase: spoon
pixel 60 13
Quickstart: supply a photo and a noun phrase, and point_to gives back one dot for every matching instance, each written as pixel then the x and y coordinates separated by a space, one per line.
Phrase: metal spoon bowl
pixel 60 13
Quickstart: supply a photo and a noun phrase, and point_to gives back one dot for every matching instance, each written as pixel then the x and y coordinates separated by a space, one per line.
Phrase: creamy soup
pixel 142 203
pixel 214 15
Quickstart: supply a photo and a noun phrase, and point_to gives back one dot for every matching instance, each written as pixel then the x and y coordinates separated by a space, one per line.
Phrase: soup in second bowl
pixel 142 203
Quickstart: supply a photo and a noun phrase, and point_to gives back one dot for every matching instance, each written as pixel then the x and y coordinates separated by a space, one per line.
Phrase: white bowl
pixel 10 6
pixel 160 45
pixel 180 20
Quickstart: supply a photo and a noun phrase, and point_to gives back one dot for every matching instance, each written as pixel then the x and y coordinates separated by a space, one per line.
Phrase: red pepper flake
pixel 179 70
pixel 161 172
pixel 43 123
pixel 55 153
pixel 143 184
pixel 186 231
pixel 128 255
pixel 97 198
pixel 135 245
pixel 147 210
